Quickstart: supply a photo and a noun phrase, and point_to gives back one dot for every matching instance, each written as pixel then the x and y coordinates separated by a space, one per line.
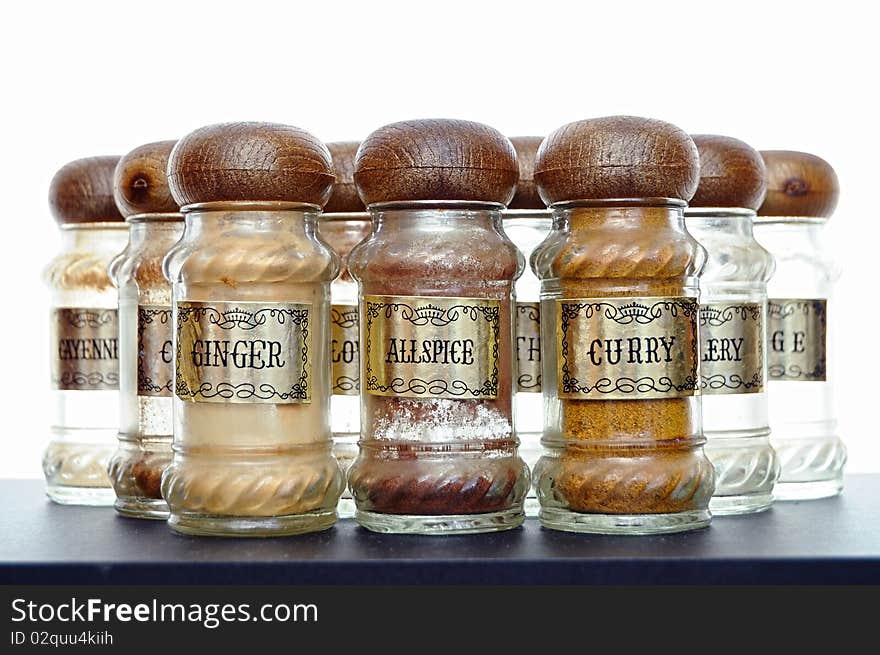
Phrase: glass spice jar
pixel 802 192
pixel 84 332
pixel 146 371
pixel 733 324
pixel 527 222
pixel 344 223
pixel 251 300
pixel 438 452
pixel 619 309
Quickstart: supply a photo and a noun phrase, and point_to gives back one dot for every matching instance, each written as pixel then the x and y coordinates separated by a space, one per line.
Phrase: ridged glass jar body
pixel 527 229
pixel 146 366
pixel 434 459
pixel 246 461
pixel 802 412
pixel 85 393
pixel 630 464
pixel 733 299
pixel 343 232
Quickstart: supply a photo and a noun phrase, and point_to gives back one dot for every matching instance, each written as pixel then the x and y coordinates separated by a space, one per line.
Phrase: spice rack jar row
pixel 407 315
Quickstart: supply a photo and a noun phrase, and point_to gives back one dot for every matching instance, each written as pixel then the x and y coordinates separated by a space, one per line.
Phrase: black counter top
pixel 835 540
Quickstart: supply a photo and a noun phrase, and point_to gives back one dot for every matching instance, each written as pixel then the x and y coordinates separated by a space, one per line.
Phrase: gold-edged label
pixel 155 372
pixel 796 338
pixel 85 348
pixel 345 350
pixel 528 347
pixel 627 348
pixel 243 352
pixel 731 348
pixel 431 347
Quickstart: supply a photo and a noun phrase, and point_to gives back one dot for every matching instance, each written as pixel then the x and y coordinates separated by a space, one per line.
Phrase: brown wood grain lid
pixel 82 191
pixel 139 183
pixel 436 159
pixel 799 184
pixel 526 196
pixel 250 162
pixel 344 197
pixel 731 173
pixel 617 157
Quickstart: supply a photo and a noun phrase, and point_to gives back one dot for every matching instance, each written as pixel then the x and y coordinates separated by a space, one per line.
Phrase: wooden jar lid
pixel 82 191
pixel 140 185
pixel 436 159
pixel 250 162
pixel 799 184
pixel 526 196
pixel 344 197
pixel 617 157
pixel 731 173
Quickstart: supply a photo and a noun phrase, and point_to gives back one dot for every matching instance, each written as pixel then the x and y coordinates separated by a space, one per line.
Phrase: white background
pixel 87 78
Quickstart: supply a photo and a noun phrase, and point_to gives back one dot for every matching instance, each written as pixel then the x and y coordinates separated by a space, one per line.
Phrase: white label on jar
pixel 431 347
pixel 155 372
pixel 528 347
pixel 344 350
pixel 797 335
pixel 627 348
pixel 731 348
pixel 243 352
pixel 85 348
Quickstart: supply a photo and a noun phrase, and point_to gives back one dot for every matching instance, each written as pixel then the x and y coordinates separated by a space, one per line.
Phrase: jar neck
pixel 729 222
pixel 249 220
pixel 344 234
pixel 538 224
pixel 577 219
pixel 436 218
pixel 155 231
pixel 97 237
pixel 791 234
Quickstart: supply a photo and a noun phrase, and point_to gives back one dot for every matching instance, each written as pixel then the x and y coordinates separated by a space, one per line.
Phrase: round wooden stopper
pixel 731 173
pixel 799 184
pixel 344 197
pixel 617 157
pixel 82 191
pixel 140 185
pixel 526 196
pixel 436 159
pixel 250 162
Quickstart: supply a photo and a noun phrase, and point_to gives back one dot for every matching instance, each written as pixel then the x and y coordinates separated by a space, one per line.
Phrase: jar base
pixel 206 525
pixel 441 524
pixel 746 469
pixel 346 507
pixel 91 496
pixel 744 504
pixel 345 450
pixel 532 505
pixel 530 449
pixel 810 490
pixel 142 508
pixel 623 524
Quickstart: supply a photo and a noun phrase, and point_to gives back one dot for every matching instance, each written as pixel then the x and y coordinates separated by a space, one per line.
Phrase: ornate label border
pixel 83 323
pixel 146 385
pixel 294 314
pixel 629 311
pixel 718 315
pixel 780 369
pixel 344 318
pixel 421 311
pixel 526 382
